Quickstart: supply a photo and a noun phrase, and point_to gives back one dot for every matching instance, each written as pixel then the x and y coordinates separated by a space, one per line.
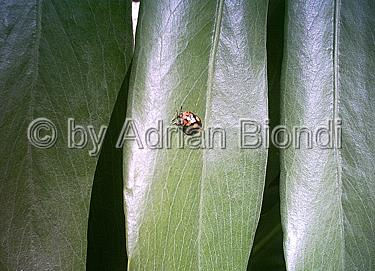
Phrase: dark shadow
pixel 267 252
pixel 106 244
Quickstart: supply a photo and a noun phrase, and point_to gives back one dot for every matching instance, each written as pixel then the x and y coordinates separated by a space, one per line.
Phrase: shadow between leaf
pixel 267 252
pixel 106 241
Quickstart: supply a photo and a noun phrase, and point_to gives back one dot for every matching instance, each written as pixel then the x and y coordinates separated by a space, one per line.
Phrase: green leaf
pixel 327 195
pixel 196 209
pixel 58 60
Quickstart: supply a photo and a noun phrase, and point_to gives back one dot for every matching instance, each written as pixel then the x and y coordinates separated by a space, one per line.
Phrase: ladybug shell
pixel 190 122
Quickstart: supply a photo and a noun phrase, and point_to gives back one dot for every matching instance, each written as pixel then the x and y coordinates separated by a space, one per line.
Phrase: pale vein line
pixel 38 6
pixel 337 153
pixel 211 63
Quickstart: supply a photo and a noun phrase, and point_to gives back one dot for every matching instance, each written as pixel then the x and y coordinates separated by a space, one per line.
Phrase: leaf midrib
pixel 210 78
pixel 336 151
pixel 35 70
pixel 35 53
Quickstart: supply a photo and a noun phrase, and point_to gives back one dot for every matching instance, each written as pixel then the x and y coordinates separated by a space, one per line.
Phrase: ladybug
pixel 189 121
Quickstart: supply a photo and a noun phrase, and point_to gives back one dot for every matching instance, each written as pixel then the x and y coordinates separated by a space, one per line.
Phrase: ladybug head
pixel 178 119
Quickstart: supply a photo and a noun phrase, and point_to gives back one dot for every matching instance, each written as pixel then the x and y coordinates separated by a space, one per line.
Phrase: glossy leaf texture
pixel 58 60
pixel 195 208
pixel 327 195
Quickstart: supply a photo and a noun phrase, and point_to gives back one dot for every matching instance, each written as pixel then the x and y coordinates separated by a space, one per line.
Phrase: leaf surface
pixel 196 209
pixel 327 195
pixel 58 60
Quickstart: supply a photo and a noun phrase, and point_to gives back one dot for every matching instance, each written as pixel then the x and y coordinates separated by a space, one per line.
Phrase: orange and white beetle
pixel 189 122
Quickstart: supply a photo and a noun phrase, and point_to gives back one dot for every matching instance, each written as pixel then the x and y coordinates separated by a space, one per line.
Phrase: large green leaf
pixel 196 209
pixel 328 194
pixel 57 60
